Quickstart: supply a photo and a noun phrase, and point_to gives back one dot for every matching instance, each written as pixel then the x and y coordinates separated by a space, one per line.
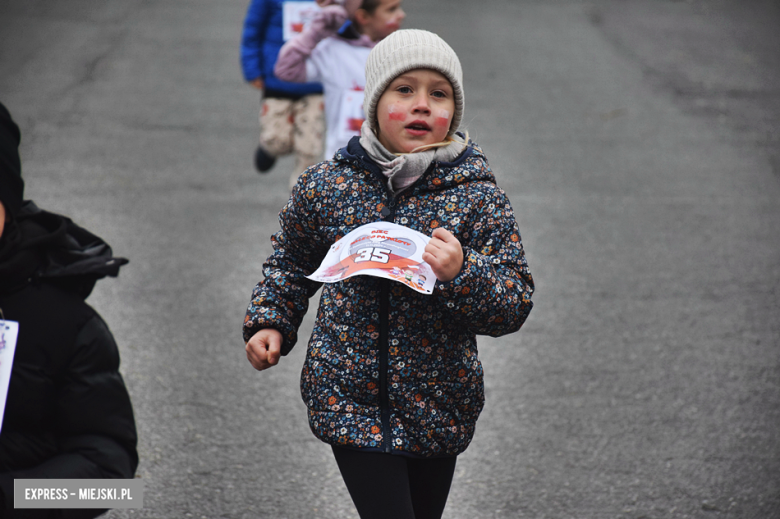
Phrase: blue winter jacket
pixel 260 43
pixel 388 368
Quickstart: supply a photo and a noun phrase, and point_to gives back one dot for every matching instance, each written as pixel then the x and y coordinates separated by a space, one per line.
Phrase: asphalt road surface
pixel 639 142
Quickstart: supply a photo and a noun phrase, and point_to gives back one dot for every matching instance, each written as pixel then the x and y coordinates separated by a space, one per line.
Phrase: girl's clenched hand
pixel 264 349
pixel 444 254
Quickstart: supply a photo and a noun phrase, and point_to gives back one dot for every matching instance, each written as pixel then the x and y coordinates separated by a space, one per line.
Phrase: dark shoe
pixel 263 161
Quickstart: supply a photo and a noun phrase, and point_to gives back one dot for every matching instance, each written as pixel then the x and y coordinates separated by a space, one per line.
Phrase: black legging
pixel 384 486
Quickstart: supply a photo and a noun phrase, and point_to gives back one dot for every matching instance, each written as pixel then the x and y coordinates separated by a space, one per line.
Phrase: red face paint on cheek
pixel 443 118
pixel 394 114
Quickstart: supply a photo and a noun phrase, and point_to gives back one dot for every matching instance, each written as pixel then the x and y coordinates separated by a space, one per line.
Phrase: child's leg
pixel 430 480
pixel 377 482
pixel 395 487
pixel 308 132
pixel 276 130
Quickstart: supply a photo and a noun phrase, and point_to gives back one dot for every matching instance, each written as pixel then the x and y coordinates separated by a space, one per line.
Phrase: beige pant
pixel 290 126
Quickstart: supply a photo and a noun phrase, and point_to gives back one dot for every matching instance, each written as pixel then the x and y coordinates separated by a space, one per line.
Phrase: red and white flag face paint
pixel 394 114
pixel 443 119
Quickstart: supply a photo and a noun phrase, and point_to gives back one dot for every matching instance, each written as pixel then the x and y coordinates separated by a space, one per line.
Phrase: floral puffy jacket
pixel 388 368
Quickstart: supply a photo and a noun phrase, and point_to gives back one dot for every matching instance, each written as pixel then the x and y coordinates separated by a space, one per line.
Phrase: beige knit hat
pixel 405 50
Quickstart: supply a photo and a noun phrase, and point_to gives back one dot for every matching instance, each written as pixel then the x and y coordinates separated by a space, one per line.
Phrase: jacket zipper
pixel 384 346
pixel 384 318
pixel 384 308
pixel 384 399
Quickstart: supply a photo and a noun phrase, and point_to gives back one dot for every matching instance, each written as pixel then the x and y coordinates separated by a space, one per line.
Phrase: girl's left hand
pixel 444 254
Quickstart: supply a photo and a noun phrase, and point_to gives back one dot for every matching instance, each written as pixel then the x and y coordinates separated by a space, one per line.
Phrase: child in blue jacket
pixel 291 114
pixel 392 379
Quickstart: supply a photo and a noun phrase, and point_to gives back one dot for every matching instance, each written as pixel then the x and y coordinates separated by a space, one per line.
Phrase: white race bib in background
pixel 9 331
pixel 296 16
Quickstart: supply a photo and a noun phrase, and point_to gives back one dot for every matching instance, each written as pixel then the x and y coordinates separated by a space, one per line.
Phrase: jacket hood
pixel 39 245
pixel 11 183
pixel 470 166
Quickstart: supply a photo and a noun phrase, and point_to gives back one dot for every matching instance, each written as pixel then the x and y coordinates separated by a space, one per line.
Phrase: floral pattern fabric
pixel 387 367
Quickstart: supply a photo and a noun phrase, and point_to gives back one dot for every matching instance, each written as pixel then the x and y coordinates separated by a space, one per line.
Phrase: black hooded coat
pixel 68 414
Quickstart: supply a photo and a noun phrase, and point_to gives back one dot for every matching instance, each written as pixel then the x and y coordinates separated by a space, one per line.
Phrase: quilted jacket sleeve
pixel 252 39
pixel 280 301
pixel 493 290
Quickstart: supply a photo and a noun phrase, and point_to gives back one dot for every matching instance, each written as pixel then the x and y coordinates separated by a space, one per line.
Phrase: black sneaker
pixel 263 161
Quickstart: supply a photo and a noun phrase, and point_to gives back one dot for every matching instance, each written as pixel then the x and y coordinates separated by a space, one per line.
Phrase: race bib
pixel 296 16
pixel 9 331
pixel 351 115
pixel 381 249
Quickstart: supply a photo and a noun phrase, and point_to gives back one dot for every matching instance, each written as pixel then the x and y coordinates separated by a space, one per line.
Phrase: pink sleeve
pixel 291 64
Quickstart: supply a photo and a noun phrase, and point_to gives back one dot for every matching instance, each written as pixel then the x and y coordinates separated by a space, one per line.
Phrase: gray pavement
pixel 638 141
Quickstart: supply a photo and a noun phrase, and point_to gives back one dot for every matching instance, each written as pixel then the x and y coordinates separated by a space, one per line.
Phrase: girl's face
pixel 416 109
pixel 385 19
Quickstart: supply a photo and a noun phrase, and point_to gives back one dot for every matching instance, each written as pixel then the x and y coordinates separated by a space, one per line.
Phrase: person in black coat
pixel 68 414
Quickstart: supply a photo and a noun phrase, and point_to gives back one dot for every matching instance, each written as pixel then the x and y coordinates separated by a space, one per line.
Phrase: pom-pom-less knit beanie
pixel 405 50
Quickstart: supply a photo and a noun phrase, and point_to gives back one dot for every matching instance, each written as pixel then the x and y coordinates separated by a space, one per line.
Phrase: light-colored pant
pixel 293 126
